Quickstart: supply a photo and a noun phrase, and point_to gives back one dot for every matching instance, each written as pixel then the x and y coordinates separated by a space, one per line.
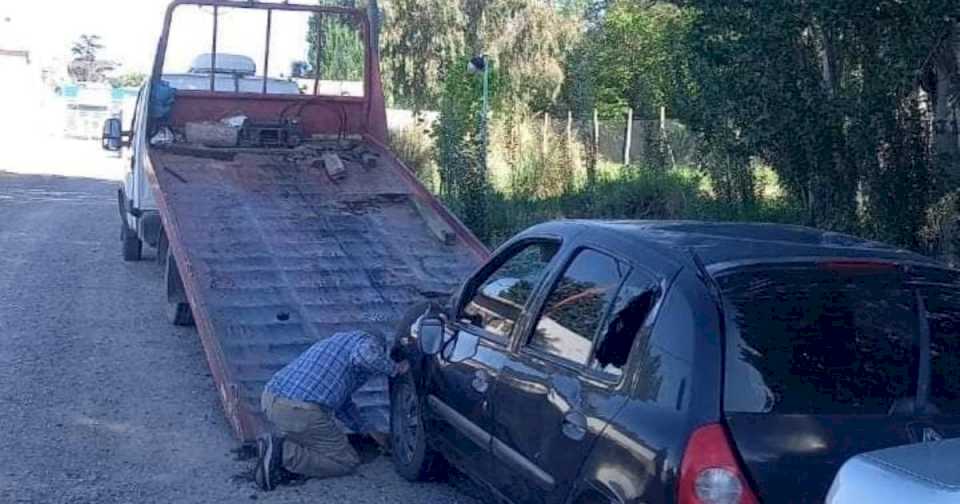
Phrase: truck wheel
pixel 178 308
pixel 412 458
pixel 163 247
pixel 132 245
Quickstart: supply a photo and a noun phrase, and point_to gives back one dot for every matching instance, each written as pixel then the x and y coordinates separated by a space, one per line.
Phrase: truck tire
pixel 178 308
pixel 132 245
pixel 163 247
pixel 413 459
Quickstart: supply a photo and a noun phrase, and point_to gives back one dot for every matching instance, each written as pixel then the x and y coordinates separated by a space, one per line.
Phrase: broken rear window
pixel 811 340
pixel 817 339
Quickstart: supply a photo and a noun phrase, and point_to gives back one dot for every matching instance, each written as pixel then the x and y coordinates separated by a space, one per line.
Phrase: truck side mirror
pixel 430 339
pixel 112 139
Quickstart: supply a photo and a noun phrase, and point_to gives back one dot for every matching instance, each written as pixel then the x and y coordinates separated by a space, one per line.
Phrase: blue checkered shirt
pixel 330 371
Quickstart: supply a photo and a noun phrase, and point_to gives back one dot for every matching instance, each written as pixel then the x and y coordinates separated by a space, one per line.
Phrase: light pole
pixel 479 64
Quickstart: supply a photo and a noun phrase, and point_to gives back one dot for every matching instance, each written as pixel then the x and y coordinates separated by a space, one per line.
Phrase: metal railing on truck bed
pixel 276 254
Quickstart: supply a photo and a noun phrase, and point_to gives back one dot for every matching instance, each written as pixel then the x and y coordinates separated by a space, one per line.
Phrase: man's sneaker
pixel 269 472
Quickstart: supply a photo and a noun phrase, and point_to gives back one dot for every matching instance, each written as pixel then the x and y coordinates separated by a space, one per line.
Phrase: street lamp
pixel 480 64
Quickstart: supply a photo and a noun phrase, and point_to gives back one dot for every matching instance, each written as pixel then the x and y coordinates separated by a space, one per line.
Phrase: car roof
pixel 722 245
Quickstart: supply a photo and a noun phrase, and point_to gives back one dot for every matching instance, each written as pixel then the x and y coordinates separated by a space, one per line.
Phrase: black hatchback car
pixel 678 362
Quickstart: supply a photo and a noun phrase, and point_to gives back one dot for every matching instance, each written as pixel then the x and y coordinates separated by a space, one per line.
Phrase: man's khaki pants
pixel 314 445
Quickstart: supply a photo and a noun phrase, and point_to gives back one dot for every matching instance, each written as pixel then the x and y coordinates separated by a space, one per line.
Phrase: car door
pixel 480 329
pixel 564 383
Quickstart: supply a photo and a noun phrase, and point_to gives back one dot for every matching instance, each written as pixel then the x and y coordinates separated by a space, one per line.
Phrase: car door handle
pixel 575 425
pixel 481 381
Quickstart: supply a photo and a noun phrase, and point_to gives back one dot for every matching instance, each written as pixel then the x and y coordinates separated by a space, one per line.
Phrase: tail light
pixel 710 473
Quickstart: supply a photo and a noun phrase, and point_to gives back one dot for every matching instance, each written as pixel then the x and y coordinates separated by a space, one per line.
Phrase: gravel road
pixel 101 400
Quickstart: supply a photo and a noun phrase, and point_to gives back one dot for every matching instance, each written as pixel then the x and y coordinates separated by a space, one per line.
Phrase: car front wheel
pixel 412 457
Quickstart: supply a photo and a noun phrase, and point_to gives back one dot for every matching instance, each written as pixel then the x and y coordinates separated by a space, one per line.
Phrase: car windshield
pixel 830 339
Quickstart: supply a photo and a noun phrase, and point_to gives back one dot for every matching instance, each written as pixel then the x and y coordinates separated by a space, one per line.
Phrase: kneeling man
pixel 303 399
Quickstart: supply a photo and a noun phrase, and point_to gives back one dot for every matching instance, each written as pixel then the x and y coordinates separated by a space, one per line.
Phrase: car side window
pixel 577 305
pixel 627 321
pixel 498 302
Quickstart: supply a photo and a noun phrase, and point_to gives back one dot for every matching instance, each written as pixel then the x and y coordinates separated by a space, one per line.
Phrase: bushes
pixel 417 150
pixel 527 184
pixel 632 193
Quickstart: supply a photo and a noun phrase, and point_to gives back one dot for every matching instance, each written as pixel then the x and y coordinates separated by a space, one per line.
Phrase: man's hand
pixel 402 368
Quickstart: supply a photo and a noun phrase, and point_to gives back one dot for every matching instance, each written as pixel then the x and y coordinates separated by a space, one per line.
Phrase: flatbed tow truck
pixel 295 225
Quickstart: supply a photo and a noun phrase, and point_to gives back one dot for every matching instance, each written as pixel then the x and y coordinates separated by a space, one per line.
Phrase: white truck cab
pixel 138 208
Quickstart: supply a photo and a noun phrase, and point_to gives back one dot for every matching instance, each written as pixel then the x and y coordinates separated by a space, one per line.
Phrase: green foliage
pixel 416 149
pixel 636 58
pixel 420 37
pixel 341 58
pixel 527 39
pixel 130 79
pixel 531 48
pixel 837 99
pixel 633 193
pixel 464 182
pixel 821 91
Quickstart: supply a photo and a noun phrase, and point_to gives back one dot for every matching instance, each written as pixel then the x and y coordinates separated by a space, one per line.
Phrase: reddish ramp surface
pixel 276 255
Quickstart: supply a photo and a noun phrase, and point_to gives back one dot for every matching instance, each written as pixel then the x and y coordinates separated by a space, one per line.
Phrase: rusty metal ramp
pixel 276 252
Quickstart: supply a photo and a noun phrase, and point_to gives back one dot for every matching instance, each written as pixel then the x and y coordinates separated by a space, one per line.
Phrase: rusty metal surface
pixel 276 255
pixel 322 114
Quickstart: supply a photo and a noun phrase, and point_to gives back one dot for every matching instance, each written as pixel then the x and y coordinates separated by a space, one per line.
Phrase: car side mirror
pixel 112 139
pixel 430 335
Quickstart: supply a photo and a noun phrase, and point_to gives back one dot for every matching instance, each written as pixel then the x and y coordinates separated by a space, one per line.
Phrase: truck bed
pixel 275 255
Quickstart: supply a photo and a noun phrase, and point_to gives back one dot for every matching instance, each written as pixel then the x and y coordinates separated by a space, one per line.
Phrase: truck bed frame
pixel 275 254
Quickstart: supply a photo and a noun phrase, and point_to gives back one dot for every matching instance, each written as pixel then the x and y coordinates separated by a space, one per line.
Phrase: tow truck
pixel 260 172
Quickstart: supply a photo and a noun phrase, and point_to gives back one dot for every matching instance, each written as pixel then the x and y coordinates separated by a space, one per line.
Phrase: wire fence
pixel 626 141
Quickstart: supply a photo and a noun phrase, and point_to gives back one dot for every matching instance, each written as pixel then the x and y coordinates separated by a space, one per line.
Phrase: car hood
pixel 925 472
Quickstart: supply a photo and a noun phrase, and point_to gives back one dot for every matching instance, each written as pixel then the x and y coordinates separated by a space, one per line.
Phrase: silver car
pixel 927 473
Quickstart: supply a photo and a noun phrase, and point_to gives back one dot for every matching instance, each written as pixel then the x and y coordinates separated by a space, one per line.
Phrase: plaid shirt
pixel 330 371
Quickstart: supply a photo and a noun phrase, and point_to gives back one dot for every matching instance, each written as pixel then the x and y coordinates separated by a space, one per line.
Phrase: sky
pixel 129 28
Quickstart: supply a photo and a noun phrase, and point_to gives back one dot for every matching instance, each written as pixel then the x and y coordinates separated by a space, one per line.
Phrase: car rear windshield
pixel 839 338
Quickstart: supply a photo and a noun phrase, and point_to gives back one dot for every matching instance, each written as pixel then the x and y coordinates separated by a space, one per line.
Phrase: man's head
pixel 381 339
pixel 378 336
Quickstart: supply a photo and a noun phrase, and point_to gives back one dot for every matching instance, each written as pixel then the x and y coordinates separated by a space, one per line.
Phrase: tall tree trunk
pixel 946 99
pixel 829 65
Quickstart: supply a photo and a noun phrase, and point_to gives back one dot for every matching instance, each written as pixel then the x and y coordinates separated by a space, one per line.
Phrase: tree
pixel 636 58
pixel 86 47
pixel 85 66
pixel 341 48
pixel 827 94
pixel 420 39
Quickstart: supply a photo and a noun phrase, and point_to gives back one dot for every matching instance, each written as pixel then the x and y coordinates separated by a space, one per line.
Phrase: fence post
pixel 665 142
pixel 569 127
pixel 596 130
pixel 593 158
pixel 546 129
pixel 627 141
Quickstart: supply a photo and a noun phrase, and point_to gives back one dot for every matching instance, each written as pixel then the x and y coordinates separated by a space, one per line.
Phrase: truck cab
pixel 231 73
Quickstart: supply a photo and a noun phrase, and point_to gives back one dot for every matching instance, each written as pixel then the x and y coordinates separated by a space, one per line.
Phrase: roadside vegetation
pixel 840 115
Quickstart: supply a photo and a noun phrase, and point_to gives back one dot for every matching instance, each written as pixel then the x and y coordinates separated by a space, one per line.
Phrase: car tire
pixel 132 245
pixel 413 459
pixel 178 308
